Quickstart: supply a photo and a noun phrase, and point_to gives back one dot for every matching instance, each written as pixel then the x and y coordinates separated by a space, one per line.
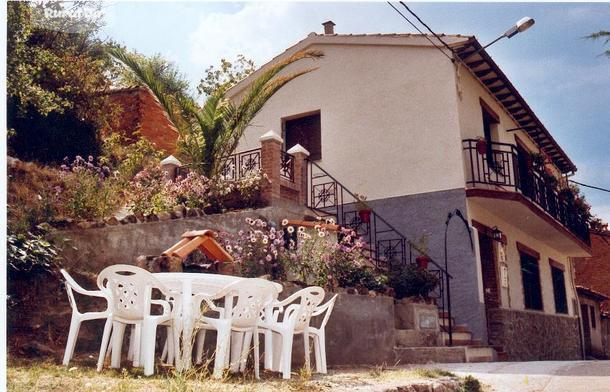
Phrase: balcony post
pixel 300 155
pixel 271 158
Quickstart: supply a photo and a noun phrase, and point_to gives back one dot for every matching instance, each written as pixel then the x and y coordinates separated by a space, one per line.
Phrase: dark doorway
pixel 306 131
pixel 525 180
pixel 491 294
pixel 586 325
pixel 489 272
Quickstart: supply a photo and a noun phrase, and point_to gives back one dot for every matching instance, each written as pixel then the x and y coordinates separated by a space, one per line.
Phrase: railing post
pixel 271 158
pixel 300 155
pixel 170 167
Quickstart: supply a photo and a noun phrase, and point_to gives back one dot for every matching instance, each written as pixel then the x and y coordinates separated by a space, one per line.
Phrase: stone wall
pixel 534 336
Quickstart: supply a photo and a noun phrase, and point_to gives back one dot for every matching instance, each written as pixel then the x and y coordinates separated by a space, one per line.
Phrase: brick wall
pixel 140 111
pixel 594 272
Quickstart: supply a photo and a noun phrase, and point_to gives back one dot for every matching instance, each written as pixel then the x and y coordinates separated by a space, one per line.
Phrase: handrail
pixel 408 241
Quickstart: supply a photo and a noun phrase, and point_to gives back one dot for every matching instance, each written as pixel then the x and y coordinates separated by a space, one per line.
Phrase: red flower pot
pixel 365 216
pixel 482 146
pixel 422 262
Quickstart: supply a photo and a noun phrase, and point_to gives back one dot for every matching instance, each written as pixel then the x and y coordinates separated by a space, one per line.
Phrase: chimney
pixel 329 27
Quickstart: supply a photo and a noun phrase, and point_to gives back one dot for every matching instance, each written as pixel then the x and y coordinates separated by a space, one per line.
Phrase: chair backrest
pixel 252 295
pixel 300 314
pixel 129 289
pixel 327 309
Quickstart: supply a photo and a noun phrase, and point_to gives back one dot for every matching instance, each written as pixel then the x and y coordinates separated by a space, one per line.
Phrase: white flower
pixel 290 229
pixel 265 241
pixel 330 221
pixel 321 233
pixel 284 222
pixel 301 229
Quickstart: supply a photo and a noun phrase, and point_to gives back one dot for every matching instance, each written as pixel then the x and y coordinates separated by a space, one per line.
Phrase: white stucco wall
pixel 388 116
pixel 471 117
pixel 513 296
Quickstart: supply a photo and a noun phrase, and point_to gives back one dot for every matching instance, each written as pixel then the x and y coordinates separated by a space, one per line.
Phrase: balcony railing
pixel 502 166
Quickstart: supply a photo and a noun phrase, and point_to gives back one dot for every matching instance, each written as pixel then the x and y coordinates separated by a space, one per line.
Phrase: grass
pixel 28 376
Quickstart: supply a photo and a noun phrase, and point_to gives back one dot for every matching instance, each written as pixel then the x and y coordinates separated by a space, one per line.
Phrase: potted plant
pixel 364 210
pixel 538 159
pixel 410 281
pixel 422 246
pixel 481 146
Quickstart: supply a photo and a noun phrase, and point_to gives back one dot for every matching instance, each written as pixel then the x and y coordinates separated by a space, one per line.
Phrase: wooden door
pixel 306 131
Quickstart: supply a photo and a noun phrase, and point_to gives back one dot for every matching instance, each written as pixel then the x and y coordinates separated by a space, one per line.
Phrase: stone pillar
pixel 300 155
pixel 170 166
pixel 271 158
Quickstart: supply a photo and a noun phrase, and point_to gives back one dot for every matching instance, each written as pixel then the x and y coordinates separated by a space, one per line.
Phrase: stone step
pixel 444 321
pixel 415 338
pixel 408 355
pixel 455 328
pixel 480 354
pixel 457 335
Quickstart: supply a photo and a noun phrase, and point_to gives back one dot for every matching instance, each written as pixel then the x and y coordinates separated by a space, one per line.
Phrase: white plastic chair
pixel 129 290
pixel 295 320
pixel 319 334
pixel 251 296
pixel 78 317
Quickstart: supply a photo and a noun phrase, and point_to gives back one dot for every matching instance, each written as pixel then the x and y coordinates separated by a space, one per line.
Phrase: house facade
pixel 390 117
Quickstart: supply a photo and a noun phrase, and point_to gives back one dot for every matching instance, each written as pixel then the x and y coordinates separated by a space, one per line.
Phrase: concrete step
pixel 455 328
pixel 480 354
pixel 444 321
pixel 407 355
pixel 415 338
pixel 456 335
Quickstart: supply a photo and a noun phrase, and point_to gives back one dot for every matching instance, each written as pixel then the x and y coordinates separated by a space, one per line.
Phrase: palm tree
pixel 602 35
pixel 212 131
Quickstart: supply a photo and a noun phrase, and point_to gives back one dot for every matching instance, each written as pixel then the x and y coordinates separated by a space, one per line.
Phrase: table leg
pixel 187 331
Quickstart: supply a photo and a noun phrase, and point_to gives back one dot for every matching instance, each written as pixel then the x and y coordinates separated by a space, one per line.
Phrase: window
pixel 306 131
pixel 559 289
pixel 530 274
pixel 592 316
pixel 490 121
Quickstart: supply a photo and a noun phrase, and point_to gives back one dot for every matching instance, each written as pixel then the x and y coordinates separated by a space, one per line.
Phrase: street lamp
pixel 519 27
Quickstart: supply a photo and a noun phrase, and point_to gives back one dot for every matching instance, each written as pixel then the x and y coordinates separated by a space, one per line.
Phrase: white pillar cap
pixel 298 149
pixel 171 160
pixel 271 135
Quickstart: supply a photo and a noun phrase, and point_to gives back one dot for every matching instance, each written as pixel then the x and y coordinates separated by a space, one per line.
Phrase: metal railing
pixel 240 165
pixel 500 166
pixel 287 166
pixel 387 247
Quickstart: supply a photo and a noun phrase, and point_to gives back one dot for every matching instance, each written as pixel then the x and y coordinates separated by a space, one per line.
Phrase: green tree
pixel 226 76
pixel 212 131
pixel 601 35
pixel 56 66
pixel 162 69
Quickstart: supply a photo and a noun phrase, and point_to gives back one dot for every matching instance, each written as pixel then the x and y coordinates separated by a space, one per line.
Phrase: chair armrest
pixel 199 298
pixel 163 303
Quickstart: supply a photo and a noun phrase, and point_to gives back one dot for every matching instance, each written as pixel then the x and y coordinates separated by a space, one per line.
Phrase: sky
pixel 562 76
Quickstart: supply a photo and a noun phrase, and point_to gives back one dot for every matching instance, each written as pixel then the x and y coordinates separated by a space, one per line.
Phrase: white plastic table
pixel 188 284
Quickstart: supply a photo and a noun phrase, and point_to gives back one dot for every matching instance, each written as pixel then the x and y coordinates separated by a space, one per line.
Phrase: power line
pixel 427 27
pixel 590 186
pixel 421 32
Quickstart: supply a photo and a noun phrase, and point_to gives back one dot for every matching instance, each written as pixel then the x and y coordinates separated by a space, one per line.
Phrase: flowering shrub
pixel 193 191
pixel 149 192
pixel 89 190
pixel 127 157
pixel 241 193
pixel 318 257
pixel 258 250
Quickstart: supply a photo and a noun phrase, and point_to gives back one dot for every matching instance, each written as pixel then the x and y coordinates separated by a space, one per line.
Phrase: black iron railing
pixel 503 166
pixel 287 166
pixel 240 165
pixel 387 247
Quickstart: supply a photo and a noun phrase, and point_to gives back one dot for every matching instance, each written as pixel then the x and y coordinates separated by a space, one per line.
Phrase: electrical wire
pixel 590 186
pixel 427 27
pixel 421 32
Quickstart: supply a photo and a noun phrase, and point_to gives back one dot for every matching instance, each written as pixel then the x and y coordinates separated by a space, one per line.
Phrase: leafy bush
pixel 257 251
pixel 471 384
pixel 148 192
pixel 351 275
pixel 30 253
pixel 194 190
pixel 411 281
pixel 127 157
pixel 89 191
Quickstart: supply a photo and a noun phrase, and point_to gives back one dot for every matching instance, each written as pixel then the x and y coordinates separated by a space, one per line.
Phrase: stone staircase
pixel 419 346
